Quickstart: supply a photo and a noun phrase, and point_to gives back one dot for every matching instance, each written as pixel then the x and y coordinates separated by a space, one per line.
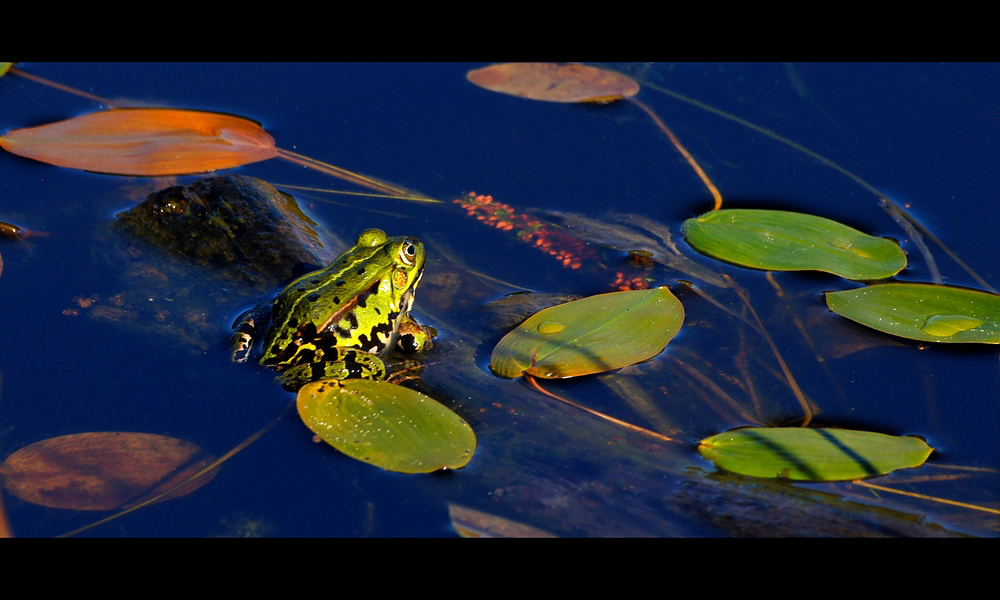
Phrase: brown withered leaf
pixel 103 470
pixel 554 82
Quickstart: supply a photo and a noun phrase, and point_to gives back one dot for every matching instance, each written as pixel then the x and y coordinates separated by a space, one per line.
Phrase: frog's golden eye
pixel 407 253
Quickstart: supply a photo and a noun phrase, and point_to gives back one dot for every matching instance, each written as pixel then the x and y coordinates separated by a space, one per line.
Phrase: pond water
pixel 924 135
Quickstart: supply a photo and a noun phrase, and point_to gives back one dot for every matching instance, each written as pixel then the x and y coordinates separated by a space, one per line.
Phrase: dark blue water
pixel 925 135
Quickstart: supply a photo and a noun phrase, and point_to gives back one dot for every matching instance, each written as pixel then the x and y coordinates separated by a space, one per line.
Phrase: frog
pixel 337 322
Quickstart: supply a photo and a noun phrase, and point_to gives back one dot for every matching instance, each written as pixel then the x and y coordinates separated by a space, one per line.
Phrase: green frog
pixel 335 322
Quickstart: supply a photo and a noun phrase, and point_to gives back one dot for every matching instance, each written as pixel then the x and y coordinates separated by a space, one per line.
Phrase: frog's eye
pixel 407 253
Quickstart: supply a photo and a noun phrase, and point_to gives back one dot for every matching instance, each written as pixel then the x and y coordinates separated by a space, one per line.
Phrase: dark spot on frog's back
pixel 312 297
pixel 307 332
pixel 362 298
pixel 326 340
pixel 352 324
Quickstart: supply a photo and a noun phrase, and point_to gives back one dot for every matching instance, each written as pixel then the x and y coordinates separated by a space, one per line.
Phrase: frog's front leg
pixel 337 363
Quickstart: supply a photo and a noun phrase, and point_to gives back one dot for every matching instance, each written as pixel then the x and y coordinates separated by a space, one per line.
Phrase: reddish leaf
pixel 102 471
pixel 555 82
pixel 145 141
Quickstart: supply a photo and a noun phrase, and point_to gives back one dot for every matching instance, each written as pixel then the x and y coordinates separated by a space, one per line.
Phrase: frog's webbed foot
pixel 243 337
pixel 413 337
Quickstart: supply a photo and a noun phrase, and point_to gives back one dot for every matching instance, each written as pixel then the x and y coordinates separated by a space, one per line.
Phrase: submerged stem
pixel 59 86
pixel 777 355
pixel 363 180
pixel 687 155
pixel 533 383
pixel 253 438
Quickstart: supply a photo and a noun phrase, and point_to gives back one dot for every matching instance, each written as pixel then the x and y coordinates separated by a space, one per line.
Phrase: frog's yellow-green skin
pixel 334 322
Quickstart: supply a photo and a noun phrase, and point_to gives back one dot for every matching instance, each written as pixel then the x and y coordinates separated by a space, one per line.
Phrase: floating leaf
pixel 786 241
pixel 387 425
pixel 145 141
pixel 555 82
pixel 590 335
pixel 471 523
pixel 923 311
pixel 804 454
pixel 105 470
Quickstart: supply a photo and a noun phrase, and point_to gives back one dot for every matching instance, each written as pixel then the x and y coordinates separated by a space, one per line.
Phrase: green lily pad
pixel 590 335
pixel 923 311
pixel 786 241
pixel 803 454
pixel 389 426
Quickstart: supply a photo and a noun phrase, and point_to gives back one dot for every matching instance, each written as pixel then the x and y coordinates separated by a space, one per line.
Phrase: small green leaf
pixel 590 335
pixel 805 454
pixel 923 311
pixel 389 426
pixel 786 241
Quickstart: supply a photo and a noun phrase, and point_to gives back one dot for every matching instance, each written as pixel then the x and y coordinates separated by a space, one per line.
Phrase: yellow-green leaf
pixel 778 240
pixel 590 335
pixel 389 426
pixel 804 454
pixel 923 311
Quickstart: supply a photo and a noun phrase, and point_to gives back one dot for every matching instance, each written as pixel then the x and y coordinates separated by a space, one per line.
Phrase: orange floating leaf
pixel 555 82
pixel 103 471
pixel 145 142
